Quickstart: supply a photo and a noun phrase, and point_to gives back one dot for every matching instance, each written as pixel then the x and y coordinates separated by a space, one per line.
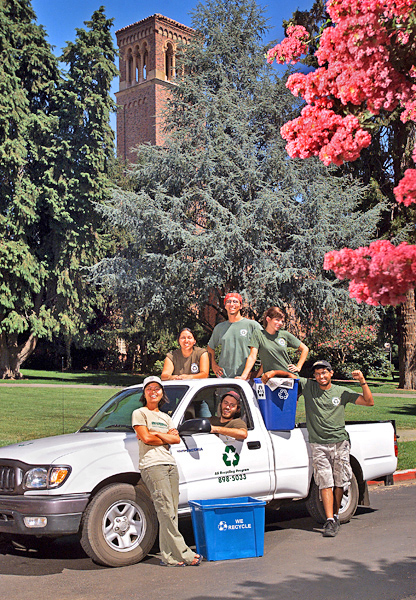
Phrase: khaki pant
pixel 331 464
pixel 162 482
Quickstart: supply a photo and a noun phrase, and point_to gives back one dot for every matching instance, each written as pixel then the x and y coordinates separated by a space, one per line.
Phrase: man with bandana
pixel 233 336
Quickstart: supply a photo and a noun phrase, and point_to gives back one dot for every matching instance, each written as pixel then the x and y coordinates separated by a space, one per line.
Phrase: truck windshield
pixel 115 414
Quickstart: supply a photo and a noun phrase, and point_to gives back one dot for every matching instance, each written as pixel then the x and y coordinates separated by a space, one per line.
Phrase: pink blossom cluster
pixel 380 273
pixel 321 132
pixel 356 70
pixel 292 47
pixel 405 192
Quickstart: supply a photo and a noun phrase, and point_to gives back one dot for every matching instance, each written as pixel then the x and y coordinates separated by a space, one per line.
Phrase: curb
pixel 406 475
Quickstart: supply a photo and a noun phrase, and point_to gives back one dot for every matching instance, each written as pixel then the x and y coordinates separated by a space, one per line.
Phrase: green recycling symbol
pixel 231 456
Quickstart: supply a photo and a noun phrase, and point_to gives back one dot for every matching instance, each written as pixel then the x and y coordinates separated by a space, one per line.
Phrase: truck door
pixel 217 466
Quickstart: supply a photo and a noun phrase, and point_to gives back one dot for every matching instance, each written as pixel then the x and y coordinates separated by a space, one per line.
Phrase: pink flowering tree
pixel 365 75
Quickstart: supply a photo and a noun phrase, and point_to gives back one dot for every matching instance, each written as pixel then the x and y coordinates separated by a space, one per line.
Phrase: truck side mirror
pixel 193 426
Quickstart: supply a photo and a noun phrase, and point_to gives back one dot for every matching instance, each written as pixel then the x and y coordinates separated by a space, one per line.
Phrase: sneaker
pixel 337 522
pixel 330 529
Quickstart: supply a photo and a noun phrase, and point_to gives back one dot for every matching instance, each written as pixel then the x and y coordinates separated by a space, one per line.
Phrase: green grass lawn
pixel 82 378
pixel 29 413
pixel 402 410
pixel 407 456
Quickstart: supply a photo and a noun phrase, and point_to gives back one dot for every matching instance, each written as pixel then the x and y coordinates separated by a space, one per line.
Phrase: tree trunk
pixel 407 342
pixel 12 355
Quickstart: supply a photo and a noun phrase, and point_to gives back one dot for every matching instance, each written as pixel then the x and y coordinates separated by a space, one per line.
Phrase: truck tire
pixel 348 505
pixel 119 526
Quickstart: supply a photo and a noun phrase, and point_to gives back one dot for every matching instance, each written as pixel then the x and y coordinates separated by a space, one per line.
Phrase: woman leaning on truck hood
pixel 271 344
pixel 156 432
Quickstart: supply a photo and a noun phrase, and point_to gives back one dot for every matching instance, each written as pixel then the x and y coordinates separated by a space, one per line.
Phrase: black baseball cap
pixel 322 364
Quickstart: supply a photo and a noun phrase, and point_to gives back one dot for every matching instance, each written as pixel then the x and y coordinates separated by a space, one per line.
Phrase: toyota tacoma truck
pixel 89 483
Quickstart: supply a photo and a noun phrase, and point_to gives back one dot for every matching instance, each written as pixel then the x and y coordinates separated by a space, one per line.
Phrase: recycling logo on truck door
pixel 230 456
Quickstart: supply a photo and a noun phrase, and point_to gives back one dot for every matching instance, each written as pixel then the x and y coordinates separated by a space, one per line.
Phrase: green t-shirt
pixel 186 365
pixel 233 339
pixel 273 347
pixel 325 411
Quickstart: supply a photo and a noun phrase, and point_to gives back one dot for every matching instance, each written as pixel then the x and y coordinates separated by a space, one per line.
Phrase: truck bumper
pixel 59 515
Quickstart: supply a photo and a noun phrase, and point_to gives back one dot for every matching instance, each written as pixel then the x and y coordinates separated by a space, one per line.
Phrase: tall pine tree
pixel 221 207
pixel 28 79
pixel 50 176
pixel 84 155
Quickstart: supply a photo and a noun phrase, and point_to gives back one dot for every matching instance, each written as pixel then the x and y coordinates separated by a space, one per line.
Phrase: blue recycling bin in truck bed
pixel 228 528
pixel 278 407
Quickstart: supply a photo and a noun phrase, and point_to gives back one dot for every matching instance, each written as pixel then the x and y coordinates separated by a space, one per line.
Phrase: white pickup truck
pixel 88 482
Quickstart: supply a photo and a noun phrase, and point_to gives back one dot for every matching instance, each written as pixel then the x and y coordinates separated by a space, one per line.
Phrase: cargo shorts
pixel 331 464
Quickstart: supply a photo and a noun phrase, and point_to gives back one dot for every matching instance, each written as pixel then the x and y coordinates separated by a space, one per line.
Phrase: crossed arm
pixel 156 438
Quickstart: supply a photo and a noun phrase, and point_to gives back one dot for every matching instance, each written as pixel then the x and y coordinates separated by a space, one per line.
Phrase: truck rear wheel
pixel 119 526
pixel 348 505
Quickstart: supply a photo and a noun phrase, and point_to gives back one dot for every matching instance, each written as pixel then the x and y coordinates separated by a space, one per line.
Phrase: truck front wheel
pixel 119 526
pixel 348 505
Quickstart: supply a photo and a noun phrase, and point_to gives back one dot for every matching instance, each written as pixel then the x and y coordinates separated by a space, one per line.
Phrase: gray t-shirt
pixel 154 421
pixel 233 339
pixel 325 411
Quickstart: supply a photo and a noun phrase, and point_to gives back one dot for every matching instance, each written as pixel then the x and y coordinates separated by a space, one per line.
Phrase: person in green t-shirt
pixel 325 421
pixel 271 345
pixel 232 335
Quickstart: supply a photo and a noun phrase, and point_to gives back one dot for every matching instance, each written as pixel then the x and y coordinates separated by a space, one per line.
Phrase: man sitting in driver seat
pixel 229 422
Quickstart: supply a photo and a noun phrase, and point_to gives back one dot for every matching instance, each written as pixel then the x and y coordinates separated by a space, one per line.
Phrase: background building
pixel 147 73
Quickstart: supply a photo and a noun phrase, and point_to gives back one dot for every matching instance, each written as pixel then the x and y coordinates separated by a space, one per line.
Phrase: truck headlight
pixel 42 478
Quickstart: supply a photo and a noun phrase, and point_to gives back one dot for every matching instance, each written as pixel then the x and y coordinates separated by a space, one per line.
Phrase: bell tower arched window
pixel 169 63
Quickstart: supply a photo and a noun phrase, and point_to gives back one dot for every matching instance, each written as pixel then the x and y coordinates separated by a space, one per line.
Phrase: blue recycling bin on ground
pixel 228 528
pixel 278 407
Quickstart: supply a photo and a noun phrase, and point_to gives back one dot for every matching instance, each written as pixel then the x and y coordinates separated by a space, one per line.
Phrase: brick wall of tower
pixel 143 90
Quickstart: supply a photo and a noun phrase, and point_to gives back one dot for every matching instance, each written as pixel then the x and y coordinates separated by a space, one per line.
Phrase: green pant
pixel 162 482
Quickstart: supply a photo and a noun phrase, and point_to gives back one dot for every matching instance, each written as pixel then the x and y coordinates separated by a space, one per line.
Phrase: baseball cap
pixel 322 364
pixel 232 393
pixel 152 379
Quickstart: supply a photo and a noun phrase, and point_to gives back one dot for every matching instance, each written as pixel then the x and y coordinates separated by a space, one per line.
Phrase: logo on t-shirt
pixel 194 368
pixel 281 342
pixel 243 332
pixel 336 401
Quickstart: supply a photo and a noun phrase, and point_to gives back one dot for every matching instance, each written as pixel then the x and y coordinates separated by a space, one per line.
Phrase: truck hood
pixel 56 448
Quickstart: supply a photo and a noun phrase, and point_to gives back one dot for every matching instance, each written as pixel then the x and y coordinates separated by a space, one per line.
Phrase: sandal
pixel 197 561
pixel 179 564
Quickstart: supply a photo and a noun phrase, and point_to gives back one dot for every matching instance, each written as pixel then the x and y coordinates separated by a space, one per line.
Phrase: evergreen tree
pixel 85 152
pixel 221 207
pixel 28 76
pixel 50 176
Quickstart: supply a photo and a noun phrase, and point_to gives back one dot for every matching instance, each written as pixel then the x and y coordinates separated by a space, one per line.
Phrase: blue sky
pixel 60 18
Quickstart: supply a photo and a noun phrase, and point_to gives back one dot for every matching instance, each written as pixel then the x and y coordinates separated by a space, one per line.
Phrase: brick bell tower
pixel 147 74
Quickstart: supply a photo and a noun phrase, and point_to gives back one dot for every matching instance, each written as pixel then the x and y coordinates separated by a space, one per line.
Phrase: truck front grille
pixel 7 479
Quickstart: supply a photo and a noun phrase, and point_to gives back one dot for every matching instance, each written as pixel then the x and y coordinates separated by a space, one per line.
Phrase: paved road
pixel 372 558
